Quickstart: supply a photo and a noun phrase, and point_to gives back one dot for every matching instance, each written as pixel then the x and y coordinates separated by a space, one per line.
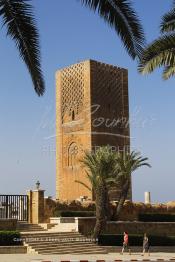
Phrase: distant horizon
pixel 72 33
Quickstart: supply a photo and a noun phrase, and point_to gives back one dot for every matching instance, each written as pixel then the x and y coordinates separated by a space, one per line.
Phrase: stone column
pixel 36 206
pixel 147 198
pixel 29 193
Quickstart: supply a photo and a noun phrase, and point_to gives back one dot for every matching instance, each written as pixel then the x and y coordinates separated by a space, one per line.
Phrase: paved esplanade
pixel 108 257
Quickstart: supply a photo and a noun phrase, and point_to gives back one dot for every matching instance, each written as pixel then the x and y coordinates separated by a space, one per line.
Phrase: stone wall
pixel 87 93
pixel 51 206
pixel 13 250
pixel 151 228
pixel 36 206
pixel 73 128
pixel 86 226
pixel 116 249
pixel 130 210
pixel 8 224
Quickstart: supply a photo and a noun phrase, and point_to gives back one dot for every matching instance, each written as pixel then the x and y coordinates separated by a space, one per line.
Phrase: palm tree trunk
pixel 122 198
pixel 100 211
pixel 107 205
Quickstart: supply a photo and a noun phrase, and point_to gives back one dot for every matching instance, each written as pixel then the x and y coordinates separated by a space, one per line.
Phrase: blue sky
pixel 71 33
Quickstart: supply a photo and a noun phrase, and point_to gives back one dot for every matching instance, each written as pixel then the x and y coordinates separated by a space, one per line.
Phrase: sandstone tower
pixel 91 110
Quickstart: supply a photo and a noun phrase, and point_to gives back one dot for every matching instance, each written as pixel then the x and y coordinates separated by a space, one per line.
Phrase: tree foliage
pixel 106 168
pixel 17 16
pixel 121 16
pixel 161 52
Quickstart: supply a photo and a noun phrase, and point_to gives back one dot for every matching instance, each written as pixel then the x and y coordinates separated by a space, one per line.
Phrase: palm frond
pixel 18 17
pixel 128 163
pixel 121 16
pixel 111 180
pixel 168 72
pixel 159 53
pixel 83 184
pixel 90 162
pixel 168 22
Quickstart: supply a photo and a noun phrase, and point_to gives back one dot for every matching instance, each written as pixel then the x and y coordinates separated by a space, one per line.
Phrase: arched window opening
pixel 72 154
pixel 73 115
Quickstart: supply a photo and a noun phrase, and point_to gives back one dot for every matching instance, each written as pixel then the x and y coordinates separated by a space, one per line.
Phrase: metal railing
pixel 14 206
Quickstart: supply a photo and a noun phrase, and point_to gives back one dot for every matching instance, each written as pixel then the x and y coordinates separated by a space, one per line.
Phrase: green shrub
pixel 10 238
pixel 151 217
pixel 60 213
pixel 135 240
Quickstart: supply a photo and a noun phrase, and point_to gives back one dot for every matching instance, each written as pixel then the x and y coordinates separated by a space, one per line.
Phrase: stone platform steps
pixel 60 243
pixel 26 227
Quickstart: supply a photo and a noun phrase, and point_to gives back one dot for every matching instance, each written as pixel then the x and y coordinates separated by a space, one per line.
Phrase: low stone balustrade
pixel 8 224
pixel 85 225
pixel 68 224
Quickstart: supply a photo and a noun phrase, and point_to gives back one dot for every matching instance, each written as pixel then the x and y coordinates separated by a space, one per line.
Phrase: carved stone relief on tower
pixel 72 80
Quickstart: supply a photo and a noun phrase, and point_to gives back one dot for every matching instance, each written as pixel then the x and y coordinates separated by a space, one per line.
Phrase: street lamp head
pixel 37 185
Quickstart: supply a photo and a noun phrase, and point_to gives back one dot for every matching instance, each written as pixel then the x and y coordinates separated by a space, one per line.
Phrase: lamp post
pixel 37 185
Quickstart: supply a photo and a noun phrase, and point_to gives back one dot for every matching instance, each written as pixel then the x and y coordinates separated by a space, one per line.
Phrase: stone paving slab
pixel 111 257
pixel 116 260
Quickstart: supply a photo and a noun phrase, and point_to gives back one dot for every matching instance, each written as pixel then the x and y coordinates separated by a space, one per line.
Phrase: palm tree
pixel 99 166
pixel 121 16
pixel 17 16
pixel 126 165
pixel 161 52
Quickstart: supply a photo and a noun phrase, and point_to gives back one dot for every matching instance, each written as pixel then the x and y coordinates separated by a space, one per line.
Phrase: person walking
pixel 126 243
pixel 145 245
